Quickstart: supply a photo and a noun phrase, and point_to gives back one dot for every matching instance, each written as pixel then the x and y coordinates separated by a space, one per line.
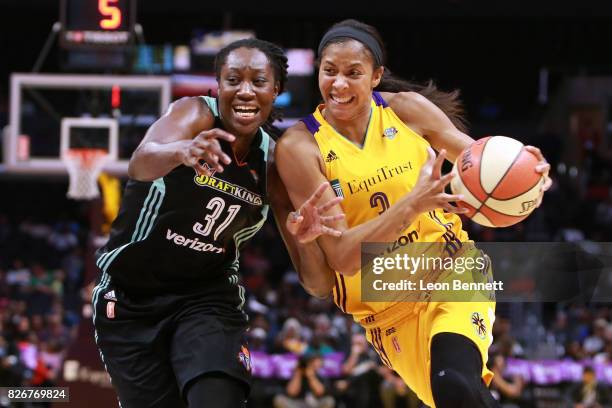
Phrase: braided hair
pixel 448 102
pixel 277 59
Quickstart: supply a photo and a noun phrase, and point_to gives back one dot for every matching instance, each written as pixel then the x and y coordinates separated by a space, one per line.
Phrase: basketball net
pixel 84 166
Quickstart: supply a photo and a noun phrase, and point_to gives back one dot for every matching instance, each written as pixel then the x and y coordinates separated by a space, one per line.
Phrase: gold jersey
pixel 373 177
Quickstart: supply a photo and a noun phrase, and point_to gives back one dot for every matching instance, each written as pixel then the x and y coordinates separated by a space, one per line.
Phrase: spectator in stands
pixel 52 357
pixel 63 239
pixel 18 274
pixel 394 392
pixel 290 338
pixel 41 295
pixel 504 342
pixel 306 389
pixel 590 393
pixel 6 230
pixel 257 339
pixel 605 356
pixel 5 289
pixel 361 379
pixel 506 389
pixel 322 341
pixel 595 342
pixel 12 371
pixel 58 331
pixel 560 329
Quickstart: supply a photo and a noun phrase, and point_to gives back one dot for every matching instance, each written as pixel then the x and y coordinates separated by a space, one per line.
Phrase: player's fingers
pixel 213 160
pixel 428 165
pixel 294 224
pixel 537 152
pixel 437 168
pixel 316 196
pixel 331 218
pixel 547 184
pixel 194 155
pixel 330 231
pixel 218 134
pixel 449 198
pixel 542 168
pixel 295 217
pixel 431 155
pixel 215 148
pixel 211 146
pixel 329 205
pixel 445 180
pixel 455 209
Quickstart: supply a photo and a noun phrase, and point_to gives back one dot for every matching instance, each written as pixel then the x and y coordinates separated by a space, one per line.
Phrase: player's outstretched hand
pixel 206 146
pixel 428 193
pixel 543 168
pixel 309 221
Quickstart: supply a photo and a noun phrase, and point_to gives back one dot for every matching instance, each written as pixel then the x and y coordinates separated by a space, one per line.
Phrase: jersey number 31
pixel 216 205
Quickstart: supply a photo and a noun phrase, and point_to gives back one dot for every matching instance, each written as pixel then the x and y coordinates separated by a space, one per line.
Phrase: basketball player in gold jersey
pixel 372 139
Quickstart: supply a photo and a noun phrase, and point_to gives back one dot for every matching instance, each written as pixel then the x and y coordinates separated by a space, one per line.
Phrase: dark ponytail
pixel 448 102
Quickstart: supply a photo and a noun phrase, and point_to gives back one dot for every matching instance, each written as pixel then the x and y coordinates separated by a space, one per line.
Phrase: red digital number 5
pixel 112 14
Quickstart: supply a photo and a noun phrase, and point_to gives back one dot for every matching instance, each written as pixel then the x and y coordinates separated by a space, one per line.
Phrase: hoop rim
pixel 85 157
pixel 76 151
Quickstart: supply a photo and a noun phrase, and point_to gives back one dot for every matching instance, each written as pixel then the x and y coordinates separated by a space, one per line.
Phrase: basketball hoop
pixel 84 166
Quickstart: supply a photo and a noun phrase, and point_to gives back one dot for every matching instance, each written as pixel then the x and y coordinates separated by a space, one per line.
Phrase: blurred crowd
pixel 41 277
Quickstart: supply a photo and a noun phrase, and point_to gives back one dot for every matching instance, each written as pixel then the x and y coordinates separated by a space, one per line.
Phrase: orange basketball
pixel 497 178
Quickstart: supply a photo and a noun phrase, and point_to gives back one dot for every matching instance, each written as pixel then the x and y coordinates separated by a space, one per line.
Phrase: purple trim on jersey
pixel 311 123
pixel 379 100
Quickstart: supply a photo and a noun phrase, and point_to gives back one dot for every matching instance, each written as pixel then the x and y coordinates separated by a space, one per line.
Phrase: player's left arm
pixel 299 235
pixel 429 121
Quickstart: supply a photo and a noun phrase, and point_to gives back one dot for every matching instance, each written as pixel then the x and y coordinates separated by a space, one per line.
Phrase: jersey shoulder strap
pixel 212 104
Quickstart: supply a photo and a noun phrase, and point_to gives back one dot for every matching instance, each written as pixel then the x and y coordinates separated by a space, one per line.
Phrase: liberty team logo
pixel 211 171
pixel 480 328
pixel 390 133
pixel 244 356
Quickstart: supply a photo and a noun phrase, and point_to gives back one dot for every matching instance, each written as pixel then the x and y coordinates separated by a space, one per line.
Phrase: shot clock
pixel 96 23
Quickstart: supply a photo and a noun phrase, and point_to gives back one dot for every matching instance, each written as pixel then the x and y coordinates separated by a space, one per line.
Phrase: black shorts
pixel 154 345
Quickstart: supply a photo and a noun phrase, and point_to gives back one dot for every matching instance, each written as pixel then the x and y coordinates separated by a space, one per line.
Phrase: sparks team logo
pixel 110 310
pixel 331 156
pixel 337 188
pixel 390 133
pixel 480 328
pixel 396 344
pixel 110 295
pixel 244 356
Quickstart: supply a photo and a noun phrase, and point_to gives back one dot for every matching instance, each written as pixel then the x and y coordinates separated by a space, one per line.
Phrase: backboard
pixel 108 112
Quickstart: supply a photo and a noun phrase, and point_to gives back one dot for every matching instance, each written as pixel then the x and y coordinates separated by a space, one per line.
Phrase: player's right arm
pixel 302 171
pixel 183 135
